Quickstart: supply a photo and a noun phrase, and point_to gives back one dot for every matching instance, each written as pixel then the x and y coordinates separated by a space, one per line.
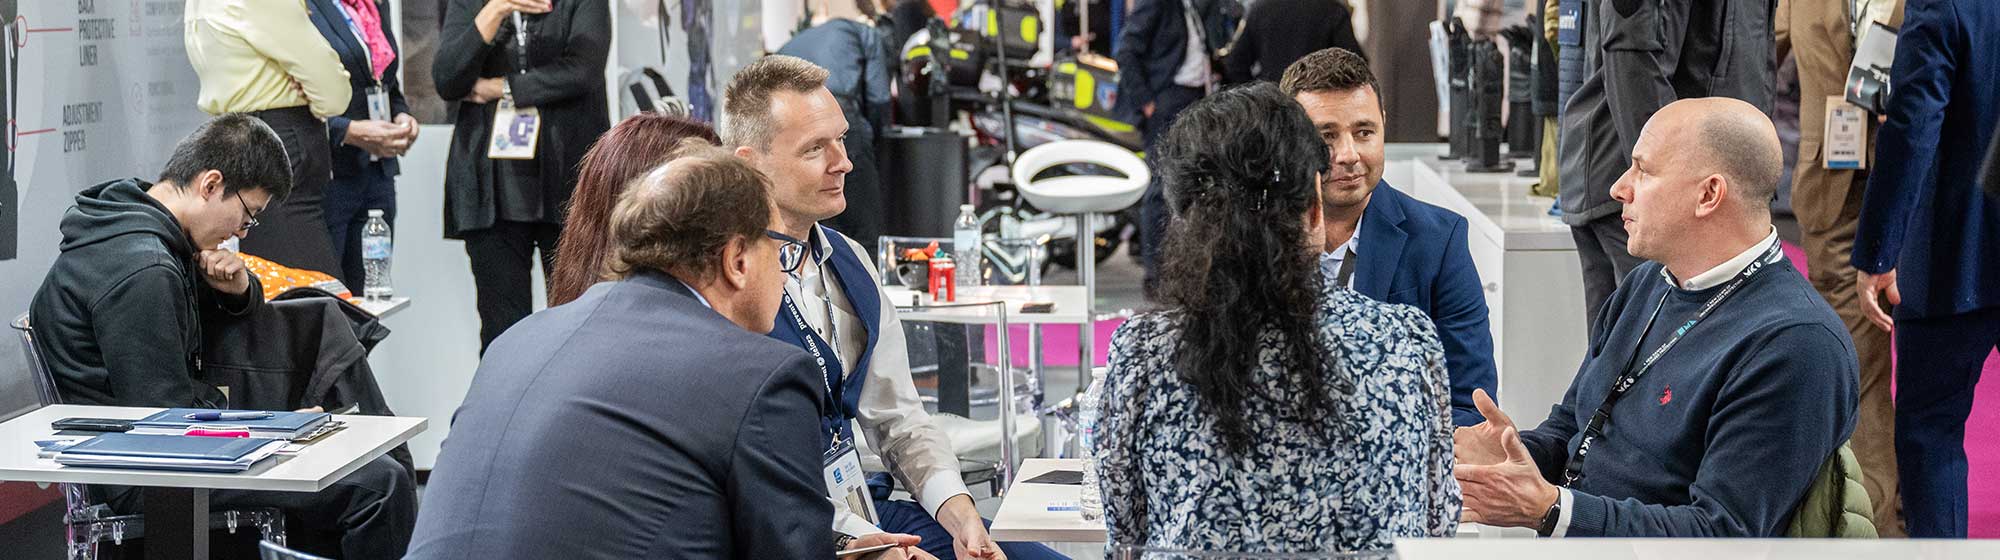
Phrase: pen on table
pixel 864 550
pixel 213 415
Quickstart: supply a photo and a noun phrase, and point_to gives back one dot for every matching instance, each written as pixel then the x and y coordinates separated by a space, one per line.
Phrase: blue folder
pixel 295 423
pixel 169 447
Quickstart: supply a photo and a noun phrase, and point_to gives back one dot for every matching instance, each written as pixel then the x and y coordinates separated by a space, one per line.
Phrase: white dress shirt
pixel 1330 261
pixel 892 417
pixel 1194 70
pixel 1713 277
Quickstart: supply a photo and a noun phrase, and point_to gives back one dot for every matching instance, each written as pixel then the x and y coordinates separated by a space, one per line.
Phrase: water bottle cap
pixel 374 213
pixel 965 207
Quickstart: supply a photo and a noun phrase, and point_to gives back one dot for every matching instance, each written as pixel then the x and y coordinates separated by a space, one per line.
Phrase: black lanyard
pixel 1574 470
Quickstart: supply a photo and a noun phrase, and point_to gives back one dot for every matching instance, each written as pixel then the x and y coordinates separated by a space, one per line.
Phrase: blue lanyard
pixel 827 377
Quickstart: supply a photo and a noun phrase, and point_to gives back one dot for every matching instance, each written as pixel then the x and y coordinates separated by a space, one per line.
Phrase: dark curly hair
pixel 1241 171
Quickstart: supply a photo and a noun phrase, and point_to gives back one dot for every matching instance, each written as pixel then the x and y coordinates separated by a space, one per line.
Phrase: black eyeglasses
pixel 246 214
pixel 791 251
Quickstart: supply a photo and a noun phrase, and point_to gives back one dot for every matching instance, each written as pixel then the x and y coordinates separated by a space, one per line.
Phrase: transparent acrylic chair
pixel 87 524
pixel 1131 552
pixel 969 342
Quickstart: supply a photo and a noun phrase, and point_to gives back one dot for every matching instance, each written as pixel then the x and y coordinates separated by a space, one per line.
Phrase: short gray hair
pixel 1747 153
pixel 746 103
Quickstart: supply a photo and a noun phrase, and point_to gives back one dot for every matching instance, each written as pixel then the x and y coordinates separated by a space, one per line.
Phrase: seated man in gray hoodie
pixel 119 317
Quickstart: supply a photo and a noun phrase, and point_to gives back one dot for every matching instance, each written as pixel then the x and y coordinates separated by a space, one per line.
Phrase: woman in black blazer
pixel 506 210
pixel 365 145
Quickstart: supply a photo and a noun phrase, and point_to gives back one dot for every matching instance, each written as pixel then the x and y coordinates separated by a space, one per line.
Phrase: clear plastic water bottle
pixel 965 240
pixel 1091 504
pixel 375 252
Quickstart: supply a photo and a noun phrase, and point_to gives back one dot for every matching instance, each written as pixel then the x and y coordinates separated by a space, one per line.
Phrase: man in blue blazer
pixel 651 417
pixel 1930 241
pixel 1383 243
pixel 365 144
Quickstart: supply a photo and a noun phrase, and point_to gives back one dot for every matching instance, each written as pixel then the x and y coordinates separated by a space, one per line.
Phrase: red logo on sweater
pixel 1667 396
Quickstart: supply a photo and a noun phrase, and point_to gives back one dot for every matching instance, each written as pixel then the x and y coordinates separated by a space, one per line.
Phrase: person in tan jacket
pixel 1820 34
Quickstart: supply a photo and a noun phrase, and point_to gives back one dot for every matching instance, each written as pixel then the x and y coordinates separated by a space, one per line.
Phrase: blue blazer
pixel 1923 215
pixel 349 161
pixel 1415 254
pixel 634 422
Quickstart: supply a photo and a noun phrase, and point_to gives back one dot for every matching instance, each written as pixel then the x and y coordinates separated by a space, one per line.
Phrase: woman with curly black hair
pixel 1265 410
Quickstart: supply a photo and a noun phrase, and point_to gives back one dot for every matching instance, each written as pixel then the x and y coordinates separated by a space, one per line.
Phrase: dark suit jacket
pixel 1415 254
pixel 349 161
pixel 567 52
pixel 1277 33
pixel 1153 45
pixel 1923 215
pixel 633 422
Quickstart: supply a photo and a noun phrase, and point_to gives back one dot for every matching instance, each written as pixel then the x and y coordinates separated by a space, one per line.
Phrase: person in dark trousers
pixel 1165 63
pixel 700 435
pixel 1738 381
pixel 857 59
pixel 1383 243
pixel 1638 56
pixel 510 211
pixel 365 144
pixel 1827 203
pixel 1930 242
pixel 119 318
pixel 266 59
pixel 1277 33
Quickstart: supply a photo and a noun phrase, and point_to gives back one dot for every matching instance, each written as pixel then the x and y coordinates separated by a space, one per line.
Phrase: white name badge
pixel 845 482
pixel 1846 139
pixel 514 131
pixel 378 104
pixel 378 109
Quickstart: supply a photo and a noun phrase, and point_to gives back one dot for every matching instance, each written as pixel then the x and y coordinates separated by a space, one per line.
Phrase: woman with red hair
pixel 637 145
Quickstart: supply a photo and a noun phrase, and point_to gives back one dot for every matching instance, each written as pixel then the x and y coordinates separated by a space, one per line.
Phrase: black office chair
pixel 88 524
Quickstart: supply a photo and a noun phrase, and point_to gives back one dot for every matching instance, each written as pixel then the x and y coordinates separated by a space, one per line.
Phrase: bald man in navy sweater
pixel 1738 381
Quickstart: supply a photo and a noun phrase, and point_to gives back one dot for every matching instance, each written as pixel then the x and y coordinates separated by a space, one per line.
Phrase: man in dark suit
pixel 1926 227
pixel 366 139
pixel 1381 242
pixel 1165 63
pixel 1636 57
pixel 649 418
pixel 1277 33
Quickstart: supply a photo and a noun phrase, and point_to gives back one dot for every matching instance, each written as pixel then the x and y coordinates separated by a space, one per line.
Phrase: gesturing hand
pixel 1481 444
pixel 1510 493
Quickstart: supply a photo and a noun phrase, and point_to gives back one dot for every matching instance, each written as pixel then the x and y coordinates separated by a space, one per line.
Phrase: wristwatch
pixel 840 541
pixel 1549 519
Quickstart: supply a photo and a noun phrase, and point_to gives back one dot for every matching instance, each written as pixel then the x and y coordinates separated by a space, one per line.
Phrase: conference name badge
pixel 514 131
pixel 1846 138
pixel 378 109
pixel 845 482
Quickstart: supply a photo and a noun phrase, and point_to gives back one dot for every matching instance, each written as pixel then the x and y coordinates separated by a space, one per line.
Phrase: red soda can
pixel 944 281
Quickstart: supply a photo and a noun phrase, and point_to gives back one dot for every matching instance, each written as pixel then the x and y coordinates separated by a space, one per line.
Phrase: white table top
pixel 1069 308
pixel 1705 549
pixel 313 469
pixel 1024 514
pixel 383 308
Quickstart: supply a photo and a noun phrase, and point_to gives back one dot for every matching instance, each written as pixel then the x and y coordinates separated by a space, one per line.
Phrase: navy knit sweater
pixel 1723 435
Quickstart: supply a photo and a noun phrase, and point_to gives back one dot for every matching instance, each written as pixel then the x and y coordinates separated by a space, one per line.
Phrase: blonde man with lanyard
pixel 1717 382
pixel 779 116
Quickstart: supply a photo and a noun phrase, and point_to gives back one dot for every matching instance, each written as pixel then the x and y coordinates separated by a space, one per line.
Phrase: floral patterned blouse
pixel 1383 471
